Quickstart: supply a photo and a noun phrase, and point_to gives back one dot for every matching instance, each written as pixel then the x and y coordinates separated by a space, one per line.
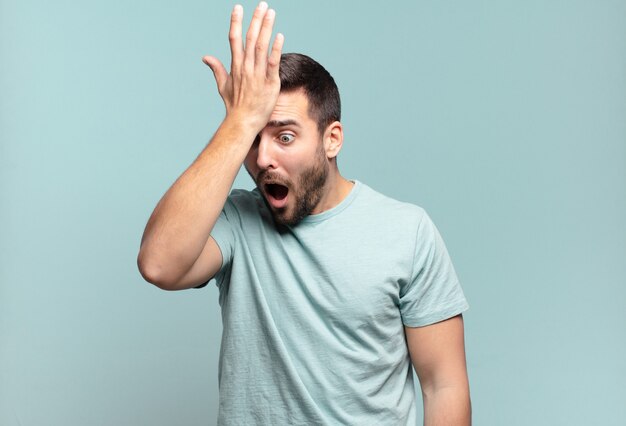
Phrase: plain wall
pixel 504 120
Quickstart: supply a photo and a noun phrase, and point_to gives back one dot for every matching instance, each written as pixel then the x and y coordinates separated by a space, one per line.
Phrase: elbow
pixel 153 272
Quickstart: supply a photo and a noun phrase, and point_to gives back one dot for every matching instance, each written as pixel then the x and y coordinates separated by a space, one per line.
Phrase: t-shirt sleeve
pixel 433 293
pixel 224 236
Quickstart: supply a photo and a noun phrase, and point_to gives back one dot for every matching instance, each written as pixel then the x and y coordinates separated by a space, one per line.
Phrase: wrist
pixel 238 132
pixel 245 123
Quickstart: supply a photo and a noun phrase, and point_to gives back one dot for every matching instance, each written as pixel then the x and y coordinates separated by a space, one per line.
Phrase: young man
pixel 328 289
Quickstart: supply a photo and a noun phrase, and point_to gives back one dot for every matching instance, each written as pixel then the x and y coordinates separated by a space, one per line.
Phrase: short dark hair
pixel 299 71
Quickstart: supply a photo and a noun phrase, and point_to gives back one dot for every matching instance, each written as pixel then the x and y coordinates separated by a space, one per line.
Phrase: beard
pixel 306 192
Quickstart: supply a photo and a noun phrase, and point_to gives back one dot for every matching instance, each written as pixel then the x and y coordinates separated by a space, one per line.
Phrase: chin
pixel 286 217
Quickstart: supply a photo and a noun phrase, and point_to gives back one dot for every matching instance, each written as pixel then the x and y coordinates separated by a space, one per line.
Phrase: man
pixel 328 289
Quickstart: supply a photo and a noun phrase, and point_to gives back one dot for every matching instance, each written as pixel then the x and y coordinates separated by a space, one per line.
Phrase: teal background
pixel 505 120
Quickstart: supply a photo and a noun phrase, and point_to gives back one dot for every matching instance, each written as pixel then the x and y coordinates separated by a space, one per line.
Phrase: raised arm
pixel 176 249
pixel 438 356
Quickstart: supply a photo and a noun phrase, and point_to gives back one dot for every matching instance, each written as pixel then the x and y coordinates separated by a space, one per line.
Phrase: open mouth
pixel 277 194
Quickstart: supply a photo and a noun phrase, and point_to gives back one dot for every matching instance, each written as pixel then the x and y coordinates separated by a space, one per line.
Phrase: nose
pixel 266 158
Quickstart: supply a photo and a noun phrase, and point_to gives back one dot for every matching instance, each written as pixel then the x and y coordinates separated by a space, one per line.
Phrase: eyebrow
pixel 282 123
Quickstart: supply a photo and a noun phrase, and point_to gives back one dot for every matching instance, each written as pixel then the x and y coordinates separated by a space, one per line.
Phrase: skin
pixel 438 355
pixel 290 151
pixel 177 251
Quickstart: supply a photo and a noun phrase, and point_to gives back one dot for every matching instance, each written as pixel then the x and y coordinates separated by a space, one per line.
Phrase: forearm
pixel 449 406
pixel 184 217
pixel 180 226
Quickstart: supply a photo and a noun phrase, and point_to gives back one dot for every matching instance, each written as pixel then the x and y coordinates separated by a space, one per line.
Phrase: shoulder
pixel 390 209
pixel 242 203
pixel 244 199
pixel 243 196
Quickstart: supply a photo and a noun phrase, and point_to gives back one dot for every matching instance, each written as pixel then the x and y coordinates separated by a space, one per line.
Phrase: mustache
pixel 269 177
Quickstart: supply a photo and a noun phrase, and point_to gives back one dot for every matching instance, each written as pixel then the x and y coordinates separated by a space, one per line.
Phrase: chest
pixel 343 278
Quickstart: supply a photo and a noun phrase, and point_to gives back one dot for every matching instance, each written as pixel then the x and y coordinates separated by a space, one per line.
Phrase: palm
pixel 251 88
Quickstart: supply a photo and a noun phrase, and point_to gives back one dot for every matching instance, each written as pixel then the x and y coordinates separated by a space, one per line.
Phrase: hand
pixel 251 89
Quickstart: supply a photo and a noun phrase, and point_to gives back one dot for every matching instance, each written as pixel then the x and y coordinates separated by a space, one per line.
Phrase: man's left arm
pixel 438 355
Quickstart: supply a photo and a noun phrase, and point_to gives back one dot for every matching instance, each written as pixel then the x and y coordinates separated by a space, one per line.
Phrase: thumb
pixel 219 72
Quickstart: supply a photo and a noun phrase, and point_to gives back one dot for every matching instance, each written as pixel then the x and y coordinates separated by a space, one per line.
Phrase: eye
pixel 286 138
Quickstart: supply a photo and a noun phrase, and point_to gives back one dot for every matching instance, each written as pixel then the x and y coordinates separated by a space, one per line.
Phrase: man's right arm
pixel 176 250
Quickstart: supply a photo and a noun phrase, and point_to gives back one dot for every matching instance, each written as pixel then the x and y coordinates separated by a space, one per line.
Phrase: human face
pixel 288 162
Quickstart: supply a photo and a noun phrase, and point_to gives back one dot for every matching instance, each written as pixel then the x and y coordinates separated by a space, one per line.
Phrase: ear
pixel 333 139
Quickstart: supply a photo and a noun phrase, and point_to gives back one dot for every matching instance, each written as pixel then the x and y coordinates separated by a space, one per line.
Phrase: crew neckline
pixel 327 214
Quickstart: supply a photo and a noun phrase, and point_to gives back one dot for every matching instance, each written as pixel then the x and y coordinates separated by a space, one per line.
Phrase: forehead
pixel 293 105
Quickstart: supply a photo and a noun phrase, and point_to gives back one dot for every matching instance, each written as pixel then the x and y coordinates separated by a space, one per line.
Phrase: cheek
pixel 252 169
pixel 250 161
pixel 293 167
pixel 300 159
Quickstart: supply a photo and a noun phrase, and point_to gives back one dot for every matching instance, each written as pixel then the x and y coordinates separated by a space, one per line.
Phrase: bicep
pixel 204 268
pixel 438 353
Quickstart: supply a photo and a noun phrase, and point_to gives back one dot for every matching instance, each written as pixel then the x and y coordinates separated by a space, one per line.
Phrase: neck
pixel 336 190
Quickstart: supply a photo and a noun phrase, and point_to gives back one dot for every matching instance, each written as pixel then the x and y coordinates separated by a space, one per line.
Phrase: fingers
pixel 253 74
pixel 273 61
pixel 253 34
pixel 234 37
pixel 220 73
pixel 262 44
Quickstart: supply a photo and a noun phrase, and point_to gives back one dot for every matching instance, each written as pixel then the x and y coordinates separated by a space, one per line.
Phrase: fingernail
pixel 263 5
pixel 270 13
pixel 238 9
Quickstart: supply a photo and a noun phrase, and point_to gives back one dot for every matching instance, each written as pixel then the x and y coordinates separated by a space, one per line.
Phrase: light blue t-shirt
pixel 313 315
